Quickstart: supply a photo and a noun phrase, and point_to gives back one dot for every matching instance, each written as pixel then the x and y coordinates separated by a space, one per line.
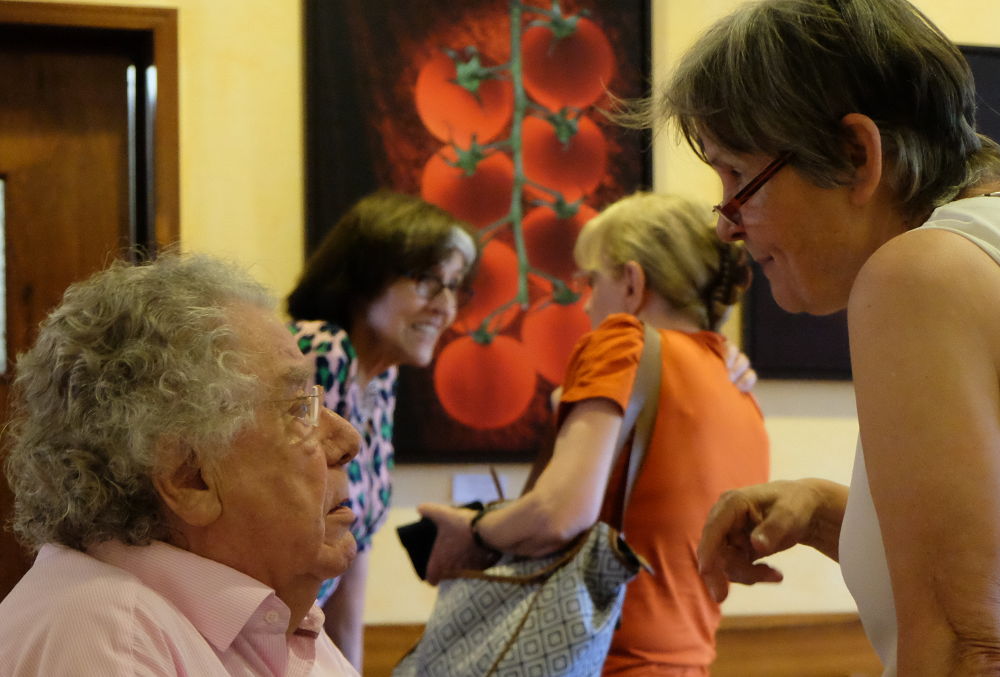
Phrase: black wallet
pixel 418 539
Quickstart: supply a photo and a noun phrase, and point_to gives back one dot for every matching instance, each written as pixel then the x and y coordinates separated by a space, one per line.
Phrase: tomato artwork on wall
pixel 429 100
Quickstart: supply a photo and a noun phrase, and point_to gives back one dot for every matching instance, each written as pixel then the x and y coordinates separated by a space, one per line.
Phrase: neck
pixel 371 363
pixel 298 602
pixel 661 315
pixel 298 595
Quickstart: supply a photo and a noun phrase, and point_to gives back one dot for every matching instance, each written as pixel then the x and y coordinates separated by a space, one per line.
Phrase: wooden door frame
pixel 160 24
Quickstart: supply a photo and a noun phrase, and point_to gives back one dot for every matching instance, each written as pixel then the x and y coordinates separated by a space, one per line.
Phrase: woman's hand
pixel 753 522
pixel 454 548
pixel 740 371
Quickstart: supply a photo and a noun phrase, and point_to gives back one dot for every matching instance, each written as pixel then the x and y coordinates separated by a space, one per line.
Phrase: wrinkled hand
pixel 454 548
pixel 750 523
pixel 740 371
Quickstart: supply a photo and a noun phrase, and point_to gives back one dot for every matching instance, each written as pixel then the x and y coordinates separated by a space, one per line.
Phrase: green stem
pixel 520 106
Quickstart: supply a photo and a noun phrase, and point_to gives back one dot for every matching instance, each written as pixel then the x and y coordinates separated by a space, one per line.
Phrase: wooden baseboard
pixel 385 645
pixel 795 645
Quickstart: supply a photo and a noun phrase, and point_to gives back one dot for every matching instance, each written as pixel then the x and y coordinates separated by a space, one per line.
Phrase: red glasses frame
pixel 731 209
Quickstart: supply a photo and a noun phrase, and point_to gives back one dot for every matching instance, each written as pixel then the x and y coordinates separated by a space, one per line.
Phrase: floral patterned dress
pixel 370 410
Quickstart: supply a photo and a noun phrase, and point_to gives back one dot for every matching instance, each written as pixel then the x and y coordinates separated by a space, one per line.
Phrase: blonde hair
pixel 673 240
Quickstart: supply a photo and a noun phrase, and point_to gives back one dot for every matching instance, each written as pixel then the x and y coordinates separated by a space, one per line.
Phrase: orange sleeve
pixel 604 363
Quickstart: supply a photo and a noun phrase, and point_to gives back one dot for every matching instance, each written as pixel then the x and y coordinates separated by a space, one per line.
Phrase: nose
pixel 341 441
pixel 728 231
pixel 445 302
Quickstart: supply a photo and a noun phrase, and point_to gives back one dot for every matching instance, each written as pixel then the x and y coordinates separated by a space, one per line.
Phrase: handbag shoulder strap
pixel 641 411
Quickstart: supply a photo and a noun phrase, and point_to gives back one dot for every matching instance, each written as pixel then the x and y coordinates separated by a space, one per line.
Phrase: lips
pixel 346 503
pixel 343 511
pixel 427 327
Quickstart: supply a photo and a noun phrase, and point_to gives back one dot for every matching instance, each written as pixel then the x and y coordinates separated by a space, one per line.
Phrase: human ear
pixel 635 286
pixel 184 487
pixel 864 143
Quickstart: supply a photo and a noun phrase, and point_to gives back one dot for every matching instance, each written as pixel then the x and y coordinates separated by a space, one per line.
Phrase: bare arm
pixel 754 522
pixel 924 344
pixel 565 500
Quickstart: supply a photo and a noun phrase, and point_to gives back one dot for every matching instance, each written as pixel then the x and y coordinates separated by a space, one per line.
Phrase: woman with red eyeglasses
pixel 844 135
pixel 382 286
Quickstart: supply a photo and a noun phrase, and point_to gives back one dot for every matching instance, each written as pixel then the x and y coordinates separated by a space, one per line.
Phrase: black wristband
pixel 475 533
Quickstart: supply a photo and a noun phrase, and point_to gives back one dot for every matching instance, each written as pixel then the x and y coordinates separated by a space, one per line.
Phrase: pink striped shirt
pixel 153 610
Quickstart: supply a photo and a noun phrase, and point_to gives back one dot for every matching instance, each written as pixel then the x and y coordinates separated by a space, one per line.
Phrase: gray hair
pixel 779 75
pixel 131 356
pixel 673 240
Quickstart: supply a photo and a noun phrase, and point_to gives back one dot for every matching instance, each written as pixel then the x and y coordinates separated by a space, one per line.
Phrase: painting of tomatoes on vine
pixel 494 111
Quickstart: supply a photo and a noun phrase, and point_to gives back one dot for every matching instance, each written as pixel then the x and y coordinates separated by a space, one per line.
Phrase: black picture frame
pixel 783 345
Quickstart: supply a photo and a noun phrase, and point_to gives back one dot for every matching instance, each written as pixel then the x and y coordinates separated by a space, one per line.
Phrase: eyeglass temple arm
pixel 748 190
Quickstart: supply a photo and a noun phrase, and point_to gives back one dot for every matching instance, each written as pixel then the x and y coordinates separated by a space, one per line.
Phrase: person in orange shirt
pixel 652 259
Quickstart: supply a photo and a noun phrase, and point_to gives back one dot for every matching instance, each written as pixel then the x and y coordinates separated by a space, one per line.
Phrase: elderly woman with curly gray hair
pixel 180 480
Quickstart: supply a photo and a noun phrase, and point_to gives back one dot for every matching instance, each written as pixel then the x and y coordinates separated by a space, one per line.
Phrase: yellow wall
pixel 242 195
pixel 241 131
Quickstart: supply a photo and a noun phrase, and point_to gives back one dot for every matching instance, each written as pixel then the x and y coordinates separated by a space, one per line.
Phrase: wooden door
pixel 75 178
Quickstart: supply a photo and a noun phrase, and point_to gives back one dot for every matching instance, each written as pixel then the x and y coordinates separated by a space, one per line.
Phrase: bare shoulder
pixel 925 347
pixel 929 278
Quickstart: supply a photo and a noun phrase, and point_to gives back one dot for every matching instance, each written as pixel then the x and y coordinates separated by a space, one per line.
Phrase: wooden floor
pixel 806 645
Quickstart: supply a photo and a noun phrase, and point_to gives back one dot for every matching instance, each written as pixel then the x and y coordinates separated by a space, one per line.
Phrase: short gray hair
pixel 779 75
pixel 131 356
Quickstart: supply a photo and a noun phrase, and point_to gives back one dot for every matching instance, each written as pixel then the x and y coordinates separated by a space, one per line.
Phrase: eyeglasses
pixel 428 286
pixel 307 408
pixel 731 209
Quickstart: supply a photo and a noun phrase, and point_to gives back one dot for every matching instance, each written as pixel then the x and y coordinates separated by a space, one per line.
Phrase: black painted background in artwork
pixel 799 346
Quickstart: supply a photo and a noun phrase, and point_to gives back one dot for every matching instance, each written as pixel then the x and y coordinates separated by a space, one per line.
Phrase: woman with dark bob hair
pixel 844 135
pixel 379 291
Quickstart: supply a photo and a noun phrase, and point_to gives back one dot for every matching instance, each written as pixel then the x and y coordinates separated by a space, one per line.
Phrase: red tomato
pixel 573 71
pixel 549 239
pixel 574 169
pixel 480 199
pixel 549 332
pixel 495 284
pixel 484 386
pixel 452 113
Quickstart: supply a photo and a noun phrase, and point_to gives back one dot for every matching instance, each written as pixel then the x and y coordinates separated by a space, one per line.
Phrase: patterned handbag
pixel 549 616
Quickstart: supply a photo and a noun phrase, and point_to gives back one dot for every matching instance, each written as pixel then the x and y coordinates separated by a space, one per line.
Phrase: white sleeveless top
pixel 862 555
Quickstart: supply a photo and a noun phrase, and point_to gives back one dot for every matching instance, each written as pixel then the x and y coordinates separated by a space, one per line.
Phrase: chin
pixel 789 305
pixel 338 556
pixel 421 358
pixel 795 303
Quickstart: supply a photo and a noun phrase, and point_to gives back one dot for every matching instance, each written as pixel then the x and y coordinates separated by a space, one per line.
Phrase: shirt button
pixel 272 617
